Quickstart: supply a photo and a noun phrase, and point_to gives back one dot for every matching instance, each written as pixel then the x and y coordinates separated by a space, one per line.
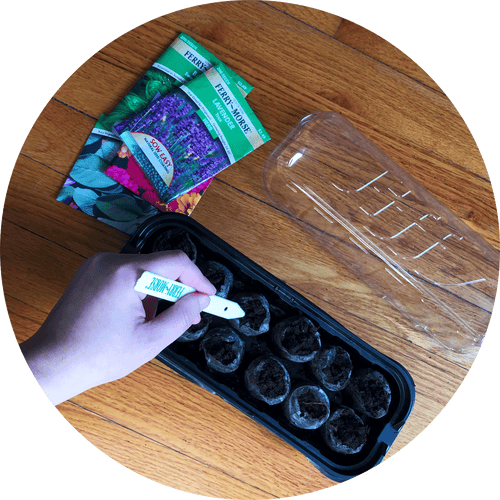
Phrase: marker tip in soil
pixel 163 288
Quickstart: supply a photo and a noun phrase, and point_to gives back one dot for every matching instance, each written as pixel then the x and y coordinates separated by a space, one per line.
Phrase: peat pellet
pixel 307 407
pixel 257 314
pixel 220 277
pixel 223 349
pixel 345 432
pixel 176 239
pixel 370 392
pixel 195 332
pixel 332 367
pixel 267 379
pixel 297 339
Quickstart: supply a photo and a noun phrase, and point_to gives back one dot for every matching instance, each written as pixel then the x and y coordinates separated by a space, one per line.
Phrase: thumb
pixel 172 323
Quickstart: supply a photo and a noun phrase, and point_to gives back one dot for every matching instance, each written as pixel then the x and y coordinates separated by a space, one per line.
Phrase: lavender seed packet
pixel 88 188
pixel 188 136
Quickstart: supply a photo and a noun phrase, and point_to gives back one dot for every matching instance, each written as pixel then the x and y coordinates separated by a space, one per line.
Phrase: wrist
pixel 51 369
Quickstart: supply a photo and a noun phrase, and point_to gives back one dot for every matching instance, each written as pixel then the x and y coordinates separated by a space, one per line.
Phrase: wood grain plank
pixel 58 136
pixel 31 263
pixel 358 38
pixel 319 19
pixel 24 318
pixel 111 80
pixel 155 460
pixel 377 47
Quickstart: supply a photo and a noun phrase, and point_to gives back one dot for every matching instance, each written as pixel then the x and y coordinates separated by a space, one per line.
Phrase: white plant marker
pixel 163 288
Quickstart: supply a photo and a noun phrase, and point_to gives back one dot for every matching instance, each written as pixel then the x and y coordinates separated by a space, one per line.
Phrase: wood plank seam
pixel 72 107
pixel 166 446
pixel 24 155
pixel 353 48
pixel 449 162
pixel 118 64
pixel 42 237
pixel 24 303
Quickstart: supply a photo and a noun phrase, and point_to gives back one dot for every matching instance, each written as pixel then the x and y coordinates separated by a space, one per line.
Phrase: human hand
pixel 102 329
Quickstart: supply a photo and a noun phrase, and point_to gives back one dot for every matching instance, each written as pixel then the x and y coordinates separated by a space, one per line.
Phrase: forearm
pixel 101 330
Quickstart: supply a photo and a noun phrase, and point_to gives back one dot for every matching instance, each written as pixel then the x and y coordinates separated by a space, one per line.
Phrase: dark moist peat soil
pixel 299 342
pixel 349 432
pixel 271 380
pixel 218 275
pixel 220 350
pixel 310 407
pixel 332 368
pixel 176 240
pixel 193 359
pixel 255 313
pixel 338 369
pixel 347 429
pixel 373 393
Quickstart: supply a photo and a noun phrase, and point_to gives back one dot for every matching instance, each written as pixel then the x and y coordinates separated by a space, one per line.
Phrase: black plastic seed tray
pixel 188 359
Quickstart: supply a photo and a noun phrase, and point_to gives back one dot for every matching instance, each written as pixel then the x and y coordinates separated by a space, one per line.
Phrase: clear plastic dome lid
pixel 388 229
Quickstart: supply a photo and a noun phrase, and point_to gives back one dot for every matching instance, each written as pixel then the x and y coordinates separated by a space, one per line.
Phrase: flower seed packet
pixel 89 189
pixel 128 173
pixel 188 136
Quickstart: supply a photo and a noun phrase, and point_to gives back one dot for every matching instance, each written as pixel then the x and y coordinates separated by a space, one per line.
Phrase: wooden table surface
pixel 300 60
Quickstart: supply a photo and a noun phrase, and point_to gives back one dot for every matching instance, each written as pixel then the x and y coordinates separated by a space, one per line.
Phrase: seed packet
pixel 188 136
pixel 90 190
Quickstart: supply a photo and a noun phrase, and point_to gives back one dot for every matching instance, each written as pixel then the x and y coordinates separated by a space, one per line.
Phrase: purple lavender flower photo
pixel 196 155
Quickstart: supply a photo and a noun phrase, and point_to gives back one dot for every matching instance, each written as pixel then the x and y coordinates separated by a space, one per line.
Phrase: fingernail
pixel 204 301
pixel 203 298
